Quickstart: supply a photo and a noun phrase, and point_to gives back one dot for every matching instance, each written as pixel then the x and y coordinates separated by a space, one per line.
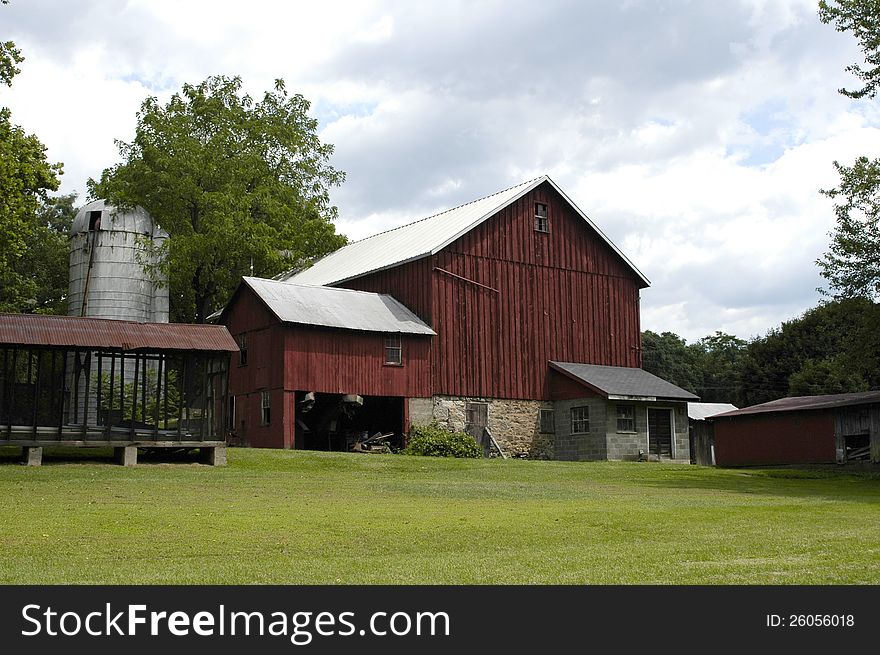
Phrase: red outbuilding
pixel 802 430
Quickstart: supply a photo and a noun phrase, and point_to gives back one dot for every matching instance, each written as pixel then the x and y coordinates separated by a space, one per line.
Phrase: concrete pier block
pixel 126 455
pixel 32 455
pixel 215 456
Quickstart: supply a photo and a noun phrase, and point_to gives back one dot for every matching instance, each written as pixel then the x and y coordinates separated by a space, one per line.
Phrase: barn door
pixel 660 432
pixel 476 417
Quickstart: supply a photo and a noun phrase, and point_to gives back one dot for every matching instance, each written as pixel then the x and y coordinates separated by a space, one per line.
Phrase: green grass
pixel 294 518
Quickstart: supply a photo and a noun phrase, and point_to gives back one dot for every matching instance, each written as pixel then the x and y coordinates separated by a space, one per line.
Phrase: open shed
pixel 802 430
pixel 75 381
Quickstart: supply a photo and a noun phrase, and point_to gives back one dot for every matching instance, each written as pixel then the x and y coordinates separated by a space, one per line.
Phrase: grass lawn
pixel 295 518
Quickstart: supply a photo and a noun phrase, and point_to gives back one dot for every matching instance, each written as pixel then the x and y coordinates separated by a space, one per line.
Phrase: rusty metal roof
pixel 76 332
pixel 803 403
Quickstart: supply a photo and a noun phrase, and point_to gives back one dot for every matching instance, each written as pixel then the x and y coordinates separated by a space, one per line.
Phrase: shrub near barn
pixel 434 441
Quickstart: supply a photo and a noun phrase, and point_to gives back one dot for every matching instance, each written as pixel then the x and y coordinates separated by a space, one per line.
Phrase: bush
pixel 434 441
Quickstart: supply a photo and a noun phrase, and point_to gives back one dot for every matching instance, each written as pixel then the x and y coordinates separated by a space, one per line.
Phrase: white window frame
pixel 631 417
pixel 393 344
pixel 542 220
pixel 576 422
pixel 265 408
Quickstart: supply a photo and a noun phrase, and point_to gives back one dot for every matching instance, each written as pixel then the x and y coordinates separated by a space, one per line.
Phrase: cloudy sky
pixel 696 134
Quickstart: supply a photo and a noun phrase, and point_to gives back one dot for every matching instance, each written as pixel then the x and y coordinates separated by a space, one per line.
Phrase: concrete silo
pixel 108 251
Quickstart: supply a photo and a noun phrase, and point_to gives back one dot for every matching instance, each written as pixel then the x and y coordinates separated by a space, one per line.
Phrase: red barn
pixel 501 287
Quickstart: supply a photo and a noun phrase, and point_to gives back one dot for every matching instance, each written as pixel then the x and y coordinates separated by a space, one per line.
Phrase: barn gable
pixel 431 235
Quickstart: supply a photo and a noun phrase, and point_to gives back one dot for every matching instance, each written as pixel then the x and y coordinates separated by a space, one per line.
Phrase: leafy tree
pixel 669 356
pixel 238 184
pixel 852 264
pixel 720 364
pixel 26 177
pixel 862 18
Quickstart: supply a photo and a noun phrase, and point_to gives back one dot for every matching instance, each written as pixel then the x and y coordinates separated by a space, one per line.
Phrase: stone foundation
pixel 513 423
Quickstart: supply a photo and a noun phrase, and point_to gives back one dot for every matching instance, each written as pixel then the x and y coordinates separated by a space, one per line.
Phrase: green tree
pixel 238 184
pixel 852 264
pixel 26 177
pixel 36 281
pixel 720 364
pixel 862 18
pixel 670 357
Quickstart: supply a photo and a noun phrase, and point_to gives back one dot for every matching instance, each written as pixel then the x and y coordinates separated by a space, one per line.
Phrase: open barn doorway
pixel 332 421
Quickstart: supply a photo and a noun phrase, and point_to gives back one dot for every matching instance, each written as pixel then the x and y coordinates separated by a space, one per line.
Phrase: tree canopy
pixel 26 177
pixel 852 264
pixel 239 185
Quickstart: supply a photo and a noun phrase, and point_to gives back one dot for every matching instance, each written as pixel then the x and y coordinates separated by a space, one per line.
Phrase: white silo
pixel 109 249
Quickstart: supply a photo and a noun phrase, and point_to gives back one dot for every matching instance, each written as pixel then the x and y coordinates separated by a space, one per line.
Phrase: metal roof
pixel 622 382
pixel 700 411
pixel 802 403
pixel 111 334
pixel 425 237
pixel 337 308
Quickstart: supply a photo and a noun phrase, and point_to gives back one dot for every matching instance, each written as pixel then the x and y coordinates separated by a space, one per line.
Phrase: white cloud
pixel 696 135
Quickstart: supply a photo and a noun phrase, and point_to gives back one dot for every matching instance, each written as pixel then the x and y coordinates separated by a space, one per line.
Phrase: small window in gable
pixel 542 222
pixel 393 351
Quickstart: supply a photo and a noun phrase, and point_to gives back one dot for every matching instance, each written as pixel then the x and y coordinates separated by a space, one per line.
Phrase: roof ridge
pixel 319 286
pixel 450 209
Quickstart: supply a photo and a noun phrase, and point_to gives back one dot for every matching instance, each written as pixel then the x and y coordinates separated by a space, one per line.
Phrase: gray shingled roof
pixel 619 381
pixel 337 308
pixel 802 403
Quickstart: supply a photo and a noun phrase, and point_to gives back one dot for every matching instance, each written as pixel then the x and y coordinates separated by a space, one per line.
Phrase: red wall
pixel 563 296
pixel 784 438
pixel 285 358
pixel 337 361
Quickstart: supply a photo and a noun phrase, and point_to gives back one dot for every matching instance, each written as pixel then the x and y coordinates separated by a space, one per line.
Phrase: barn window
pixel 626 418
pixel 242 349
pixel 542 223
pixel 230 414
pixel 393 351
pixel 265 408
pixel 580 420
pixel 546 421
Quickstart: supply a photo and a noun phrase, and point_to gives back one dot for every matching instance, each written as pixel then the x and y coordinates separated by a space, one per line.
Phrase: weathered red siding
pixel 786 438
pixel 283 359
pixel 409 283
pixel 563 296
pixel 564 388
pixel 336 361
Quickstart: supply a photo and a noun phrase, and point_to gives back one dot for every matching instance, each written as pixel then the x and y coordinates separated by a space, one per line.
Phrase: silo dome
pixel 111 252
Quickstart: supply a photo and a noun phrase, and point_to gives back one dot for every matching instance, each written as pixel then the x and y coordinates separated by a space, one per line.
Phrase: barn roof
pixel 336 308
pixel 426 237
pixel 111 334
pixel 801 403
pixel 700 411
pixel 622 383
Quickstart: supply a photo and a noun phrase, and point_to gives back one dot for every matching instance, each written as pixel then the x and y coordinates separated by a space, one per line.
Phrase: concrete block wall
pixel 575 447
